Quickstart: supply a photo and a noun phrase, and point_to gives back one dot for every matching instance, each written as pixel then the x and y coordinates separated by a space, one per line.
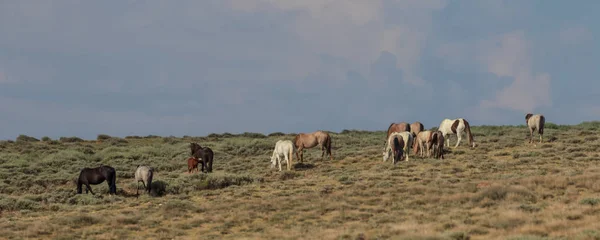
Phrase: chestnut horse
pixel 397 127
pixel 535 122
pixel 310 140
pixel 192 164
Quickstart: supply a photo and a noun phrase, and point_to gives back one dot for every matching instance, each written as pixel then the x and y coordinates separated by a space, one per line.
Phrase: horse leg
pixel 541 138
pixel 79 188
pixel 287 160
pixel 279 161
pixel 530 135
pixel 459 137
pixel 87 187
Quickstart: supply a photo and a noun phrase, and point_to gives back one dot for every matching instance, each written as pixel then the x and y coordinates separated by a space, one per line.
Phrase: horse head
pixel 527 116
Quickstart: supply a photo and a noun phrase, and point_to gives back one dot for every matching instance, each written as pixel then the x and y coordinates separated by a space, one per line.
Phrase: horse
pixel 436 144
pixel 96 176
pixel 420 143
pixel 206 154
pixel 415 128
pixel 144 174
pixel 456 127
pixel 397 127
pixel 535 122
pixel 192 164
pixel 310 140
pixel 397 148
pixel 407 138
pixel 285 148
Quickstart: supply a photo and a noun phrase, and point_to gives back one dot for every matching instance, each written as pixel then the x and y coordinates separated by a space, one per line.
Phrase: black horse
pixel 206 154
pixel 96 176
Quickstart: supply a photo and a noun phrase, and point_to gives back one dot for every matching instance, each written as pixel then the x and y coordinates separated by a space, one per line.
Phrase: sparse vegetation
pixel 503 189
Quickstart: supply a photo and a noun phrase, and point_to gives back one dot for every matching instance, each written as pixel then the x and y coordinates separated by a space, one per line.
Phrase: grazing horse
pixel 144 174
pixel 206 154
pixel 415 128
pixel 192 164
pixel 456 127
pixel 535 122
pixel 407 138
pixel 397 127
pixel 96 176
pixel 310 140
pixel 285 148
pixel 397 148
pixel 436 144
pixel 421 143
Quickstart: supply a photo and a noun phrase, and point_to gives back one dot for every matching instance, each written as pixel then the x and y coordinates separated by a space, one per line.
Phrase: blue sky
pixel 79 68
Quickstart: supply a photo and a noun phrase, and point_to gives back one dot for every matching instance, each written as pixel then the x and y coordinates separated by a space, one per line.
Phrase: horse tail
pixel 329 145
pixel 468 130
pixel 150 176
pixel 541 123
pixel 114 182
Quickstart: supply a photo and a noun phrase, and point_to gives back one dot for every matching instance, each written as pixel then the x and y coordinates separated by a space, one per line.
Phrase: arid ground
pixel 504 188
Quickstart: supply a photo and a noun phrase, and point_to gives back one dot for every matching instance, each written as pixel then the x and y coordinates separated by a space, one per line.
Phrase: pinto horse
pixel 535 122
pixel 96 176
pixel 456 127
pixel 310 140
pixel 206 154
pixel 407 139
pixel 436 144
pixel 397 127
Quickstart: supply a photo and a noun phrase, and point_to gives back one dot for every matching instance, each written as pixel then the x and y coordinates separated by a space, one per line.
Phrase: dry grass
pixel 503 189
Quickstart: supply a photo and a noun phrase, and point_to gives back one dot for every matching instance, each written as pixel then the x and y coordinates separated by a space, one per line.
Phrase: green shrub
pixel 25 138
pixel 103 137
pixel 70 139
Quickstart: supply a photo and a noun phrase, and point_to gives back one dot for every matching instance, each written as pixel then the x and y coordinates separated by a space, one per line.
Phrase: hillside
pixel 503 189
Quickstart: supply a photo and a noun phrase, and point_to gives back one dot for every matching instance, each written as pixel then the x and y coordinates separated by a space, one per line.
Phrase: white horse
pixel 144 174
pixel 406 137
pixel 535 122
pixel 285 148
pixel 456 127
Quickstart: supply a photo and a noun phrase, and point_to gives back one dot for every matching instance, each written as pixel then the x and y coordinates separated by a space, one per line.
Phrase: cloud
pixel 508 55
pixel 575 35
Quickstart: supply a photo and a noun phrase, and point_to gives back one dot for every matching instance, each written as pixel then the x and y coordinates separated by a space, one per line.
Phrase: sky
pixel 174 68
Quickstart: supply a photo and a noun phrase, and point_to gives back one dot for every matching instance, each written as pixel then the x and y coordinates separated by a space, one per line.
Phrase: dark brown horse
pixel 206 154
pixel 96 176
pixel 436 144
pixel 310 140
pixel 397 127
pixel 397 147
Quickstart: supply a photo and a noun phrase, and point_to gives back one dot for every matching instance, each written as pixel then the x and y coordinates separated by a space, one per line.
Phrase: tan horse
pixel 415 128
pixel 310 140
pixel 397 127
pixel 535 122
pixel 421 143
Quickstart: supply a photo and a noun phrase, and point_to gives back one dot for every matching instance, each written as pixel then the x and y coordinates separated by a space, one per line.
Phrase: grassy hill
pixel 503 189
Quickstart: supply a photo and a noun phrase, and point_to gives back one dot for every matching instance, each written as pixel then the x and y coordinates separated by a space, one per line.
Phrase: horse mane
pixel 527 116
pixel 468 130
pixel 391 124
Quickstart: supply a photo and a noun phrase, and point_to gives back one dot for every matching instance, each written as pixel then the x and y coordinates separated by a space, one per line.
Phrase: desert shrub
pixel 25 138
pixel 70 139
pixel 276 134
pixel 103 137
pixel 252 135
pixel 46 139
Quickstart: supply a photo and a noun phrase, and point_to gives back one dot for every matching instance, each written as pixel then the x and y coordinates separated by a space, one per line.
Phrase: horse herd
pixel 400 137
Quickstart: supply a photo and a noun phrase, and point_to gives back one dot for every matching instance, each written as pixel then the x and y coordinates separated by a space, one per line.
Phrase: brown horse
pixel 415 128
pixel 310 140
pixel 397 127
pixel 192 164
pixel 535 122
pixel 436 144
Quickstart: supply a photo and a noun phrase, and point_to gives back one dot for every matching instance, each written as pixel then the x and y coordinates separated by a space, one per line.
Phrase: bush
pixel 276 134
pixel 70 139
pixel 46 139
pixel 25 138
pixel 103 137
